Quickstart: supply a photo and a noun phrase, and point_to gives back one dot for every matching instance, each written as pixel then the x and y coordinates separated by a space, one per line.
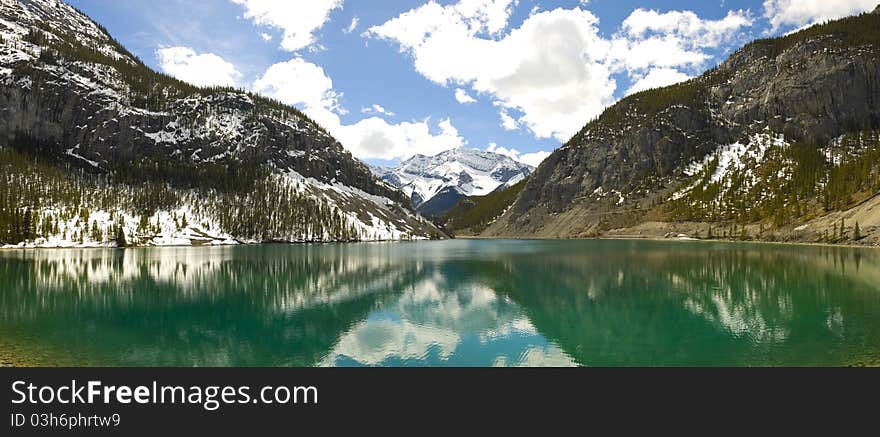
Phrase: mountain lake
pixel 443 303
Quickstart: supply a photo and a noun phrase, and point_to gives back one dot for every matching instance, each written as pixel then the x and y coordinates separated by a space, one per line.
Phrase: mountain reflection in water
pixel 453 303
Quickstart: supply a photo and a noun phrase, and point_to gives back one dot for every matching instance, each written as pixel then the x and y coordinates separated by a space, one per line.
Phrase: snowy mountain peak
pixel 57 18
pixel 436 183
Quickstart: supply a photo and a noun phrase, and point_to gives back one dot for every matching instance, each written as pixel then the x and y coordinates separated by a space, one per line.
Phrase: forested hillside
pixel 779 141
pixel 96 142
pixel 474 214
pixel 45 205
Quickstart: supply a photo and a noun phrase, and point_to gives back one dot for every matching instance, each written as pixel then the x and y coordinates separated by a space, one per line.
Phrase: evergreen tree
pixel 120 237
pixel 96 233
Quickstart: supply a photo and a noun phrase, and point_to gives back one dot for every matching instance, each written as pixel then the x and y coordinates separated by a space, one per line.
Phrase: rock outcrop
pixel 812 86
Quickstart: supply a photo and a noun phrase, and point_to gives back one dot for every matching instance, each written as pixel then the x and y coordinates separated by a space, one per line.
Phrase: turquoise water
pixel 451 303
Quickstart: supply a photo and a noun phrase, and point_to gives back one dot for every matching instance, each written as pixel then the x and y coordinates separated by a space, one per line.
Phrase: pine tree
pixel 857 232
pixel 96 232
pixel 120 237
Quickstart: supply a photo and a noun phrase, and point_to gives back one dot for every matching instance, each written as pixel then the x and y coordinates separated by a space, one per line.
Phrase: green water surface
pixel 451 303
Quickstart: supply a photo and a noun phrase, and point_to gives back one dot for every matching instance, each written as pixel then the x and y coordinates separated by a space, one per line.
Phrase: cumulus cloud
pixel 549 69
pixel 508 122
pixel 686 24
pixel 298 82
pixel 463 97
pixel 377 109
pixel 649 39
pixel 656 51
pixel 555 69
pixel 799 13
pixel 376 138
pixel 306 85
pixel 298 20
pixel 657 78
pixel 206 69
pixel 534 159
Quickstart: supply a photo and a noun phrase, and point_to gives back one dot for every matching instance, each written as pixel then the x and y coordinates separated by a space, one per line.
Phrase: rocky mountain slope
pixel 74 99
pixel 782 133
pixel 436 183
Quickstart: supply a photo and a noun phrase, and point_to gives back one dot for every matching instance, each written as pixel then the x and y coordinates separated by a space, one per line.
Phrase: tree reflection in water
pixel 459 303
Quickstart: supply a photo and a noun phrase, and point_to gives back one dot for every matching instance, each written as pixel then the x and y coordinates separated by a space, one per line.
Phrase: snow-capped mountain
pixel 436 183
pixel 73 98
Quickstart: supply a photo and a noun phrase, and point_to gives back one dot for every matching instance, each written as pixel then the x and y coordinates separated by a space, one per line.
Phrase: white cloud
pixel 353 26
pixel 205 69
pixel 799 13
pixel 376 138
pixel 686 24
pixel 490 15
pixel 549 69
pixel 555 69
pixel 299 20
pixel 377 109
pixel 301 83
pixel 658 78
pixel 656 51
pixel 266 37
pixel 298 82
pixel 534 159
pixel 508 122
pixel 649 39
pixel 463 97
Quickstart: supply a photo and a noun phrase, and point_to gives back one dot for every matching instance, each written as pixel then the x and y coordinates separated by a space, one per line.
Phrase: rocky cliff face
pixel 71 94
pixel 95 109
pixel 812 86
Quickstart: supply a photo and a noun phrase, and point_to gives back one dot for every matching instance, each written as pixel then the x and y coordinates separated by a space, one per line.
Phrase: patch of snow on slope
pixel 376 229
pixel 730 158
pixel 189 225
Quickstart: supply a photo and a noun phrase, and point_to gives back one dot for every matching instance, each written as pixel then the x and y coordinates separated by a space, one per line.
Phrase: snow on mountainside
pixel 19 15
pixel 436 183
pixel 76 99
pixel 751 143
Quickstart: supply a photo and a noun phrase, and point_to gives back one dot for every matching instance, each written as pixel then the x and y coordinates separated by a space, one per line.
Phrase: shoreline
pixel 764 242
pixel 463 237
pixel 677 240
pixel 184 246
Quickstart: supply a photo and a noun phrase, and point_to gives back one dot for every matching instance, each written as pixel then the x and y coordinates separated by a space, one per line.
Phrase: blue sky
pixel 392 78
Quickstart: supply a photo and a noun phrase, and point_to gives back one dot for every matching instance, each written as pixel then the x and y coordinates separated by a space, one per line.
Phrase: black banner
pixel 390 401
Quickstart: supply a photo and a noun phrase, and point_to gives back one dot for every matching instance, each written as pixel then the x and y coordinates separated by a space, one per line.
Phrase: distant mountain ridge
pixel 436 183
